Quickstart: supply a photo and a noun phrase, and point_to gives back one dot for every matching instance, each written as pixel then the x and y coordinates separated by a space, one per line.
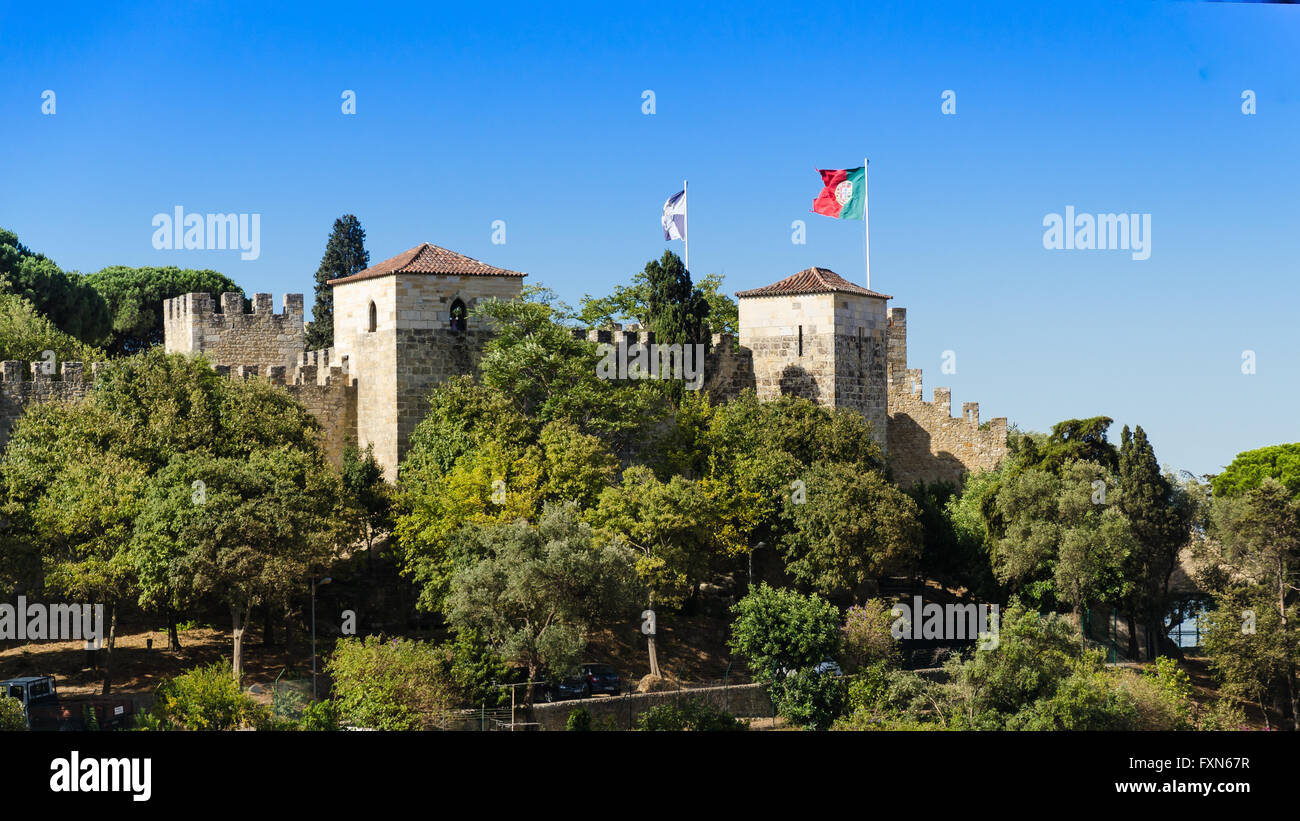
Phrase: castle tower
pixel 817 335
pixel 402 326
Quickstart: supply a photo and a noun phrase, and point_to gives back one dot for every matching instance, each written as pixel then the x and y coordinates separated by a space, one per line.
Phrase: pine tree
pixel 345 254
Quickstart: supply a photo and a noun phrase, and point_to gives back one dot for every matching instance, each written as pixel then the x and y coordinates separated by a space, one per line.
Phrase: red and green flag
pixel 844 193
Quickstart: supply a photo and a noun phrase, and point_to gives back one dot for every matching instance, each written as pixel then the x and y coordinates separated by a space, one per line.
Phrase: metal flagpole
pixel 866 225
pixel 686 226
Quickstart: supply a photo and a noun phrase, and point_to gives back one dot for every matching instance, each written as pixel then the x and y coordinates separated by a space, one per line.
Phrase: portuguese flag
pixel 844 193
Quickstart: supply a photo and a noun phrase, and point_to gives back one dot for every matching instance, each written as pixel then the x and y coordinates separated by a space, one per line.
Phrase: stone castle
pixel 405 324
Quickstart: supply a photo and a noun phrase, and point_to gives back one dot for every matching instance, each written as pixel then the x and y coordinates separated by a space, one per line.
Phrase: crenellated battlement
pixel 16 371
pixel 233 336
pixel 925 440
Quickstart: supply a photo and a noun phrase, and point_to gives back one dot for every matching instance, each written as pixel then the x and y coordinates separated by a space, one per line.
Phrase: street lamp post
pixel 323 581
pixel 751 562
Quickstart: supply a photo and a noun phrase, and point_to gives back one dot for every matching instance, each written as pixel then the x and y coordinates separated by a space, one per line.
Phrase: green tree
pixel 132 522
pixel 135 297
pixel 1256 547
pixel 267 522
pixel 670 525
pixel 368 498
pixel 868 635
pixel 1160 514
pixel 853 526
pixel 724 314
pixel 1249 469
pixel 538 591
pixel 1059 544
pixel 777 630
pixel 782 635
pixel 69 301
pixel 26 335
pixel 675 309
pixel 345 255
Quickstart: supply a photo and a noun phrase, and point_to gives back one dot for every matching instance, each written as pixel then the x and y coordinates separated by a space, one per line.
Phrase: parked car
pixel 567 687
pixel 601 679
pixel 46 711
pixel 589 679
pixel 828 666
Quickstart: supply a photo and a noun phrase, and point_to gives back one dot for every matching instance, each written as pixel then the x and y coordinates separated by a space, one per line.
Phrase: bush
pixel 868 635
pixel 810 699
pixel 778 630
pixel 320 716
pixel 391 685
pixel 692 714
pixel 205 698
pixel 1088 699
pixel 12 714
pixel 579 720
pixel 1223 714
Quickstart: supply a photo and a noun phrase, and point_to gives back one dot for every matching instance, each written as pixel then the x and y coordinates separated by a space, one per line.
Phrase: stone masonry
pixel 925 440
pixel 403 326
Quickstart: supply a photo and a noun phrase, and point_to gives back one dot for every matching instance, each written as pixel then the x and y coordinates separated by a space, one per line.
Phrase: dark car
pixel 601 679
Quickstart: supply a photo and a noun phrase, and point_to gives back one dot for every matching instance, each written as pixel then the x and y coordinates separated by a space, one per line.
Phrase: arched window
pixel 374 318
pixel 458 316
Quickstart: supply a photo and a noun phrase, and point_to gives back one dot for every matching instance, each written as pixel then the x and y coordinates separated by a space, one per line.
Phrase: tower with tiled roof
pixel 403 325
pixel 817 335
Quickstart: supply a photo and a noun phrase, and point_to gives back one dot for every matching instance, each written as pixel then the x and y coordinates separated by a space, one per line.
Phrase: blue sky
pixel 533 116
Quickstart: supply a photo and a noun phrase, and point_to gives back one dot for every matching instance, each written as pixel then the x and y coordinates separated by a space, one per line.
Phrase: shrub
pixel 692 714
pixel 579 720
pixel 868 637
pixel 12 714
pixel 205 698
pixel 1223 714
pixel 391 685
pixel 1088 699
pixel 778 630
pixel 319 716
pixel 810 699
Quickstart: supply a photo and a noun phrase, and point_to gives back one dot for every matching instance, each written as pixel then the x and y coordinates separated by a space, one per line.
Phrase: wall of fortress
pixel 925 441
pixel 17 392
pixel 382 404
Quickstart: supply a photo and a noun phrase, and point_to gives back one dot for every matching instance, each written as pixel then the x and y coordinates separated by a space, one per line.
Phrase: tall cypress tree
pixel 345 254
pixel 676 308
pixel 1160 522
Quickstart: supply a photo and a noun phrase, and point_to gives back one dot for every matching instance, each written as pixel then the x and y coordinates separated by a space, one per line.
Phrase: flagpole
pixel 866 225
pixel 686 226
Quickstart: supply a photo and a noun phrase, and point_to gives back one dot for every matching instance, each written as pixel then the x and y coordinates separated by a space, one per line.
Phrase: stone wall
pixel 233 337
pixel 26 383
pixel 745 700
pixel 925 441
pixel 728 368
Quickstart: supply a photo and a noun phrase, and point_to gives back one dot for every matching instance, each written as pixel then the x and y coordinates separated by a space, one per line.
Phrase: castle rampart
pixel 233 336
pixel 925 441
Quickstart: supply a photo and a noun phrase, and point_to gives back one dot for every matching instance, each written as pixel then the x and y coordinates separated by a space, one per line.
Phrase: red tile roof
pixel 429 259
pixel 812 281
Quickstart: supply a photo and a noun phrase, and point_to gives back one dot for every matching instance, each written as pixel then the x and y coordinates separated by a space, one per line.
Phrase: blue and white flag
pixel 674 218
